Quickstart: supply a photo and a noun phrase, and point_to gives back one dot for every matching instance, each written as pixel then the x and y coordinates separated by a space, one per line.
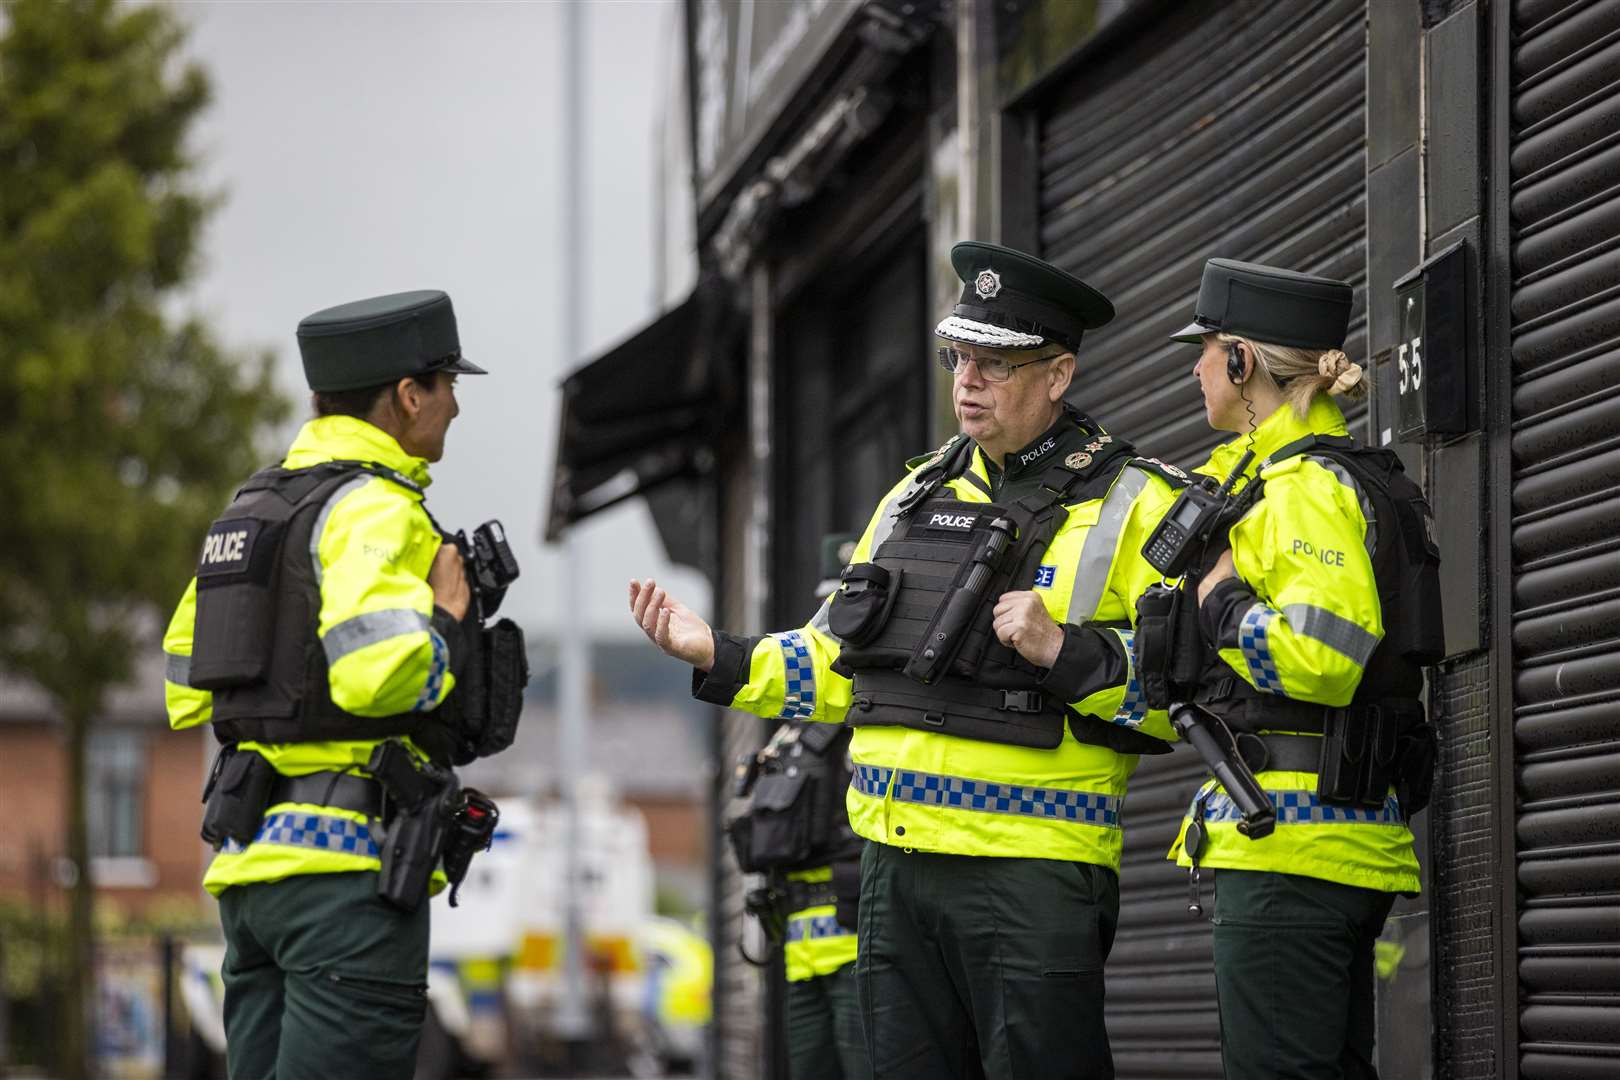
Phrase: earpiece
pixel 1234 363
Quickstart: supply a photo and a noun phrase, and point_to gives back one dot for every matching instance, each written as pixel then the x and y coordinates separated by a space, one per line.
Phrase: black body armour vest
pixel 256 644
pixel 793 815
pixel 916 621
pixel 1406 565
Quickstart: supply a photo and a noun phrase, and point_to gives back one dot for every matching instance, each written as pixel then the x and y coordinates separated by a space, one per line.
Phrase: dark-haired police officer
pixel 1319 606
pixel 326 616
pixel 994 734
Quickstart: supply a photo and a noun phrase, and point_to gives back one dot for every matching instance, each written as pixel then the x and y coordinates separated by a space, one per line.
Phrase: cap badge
pixel 987 284
pixel 1077 461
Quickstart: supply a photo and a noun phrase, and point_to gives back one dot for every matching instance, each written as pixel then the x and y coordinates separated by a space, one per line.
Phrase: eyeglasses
pixel 993 368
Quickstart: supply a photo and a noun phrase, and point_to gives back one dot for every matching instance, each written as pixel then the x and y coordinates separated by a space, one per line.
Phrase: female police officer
pixel 1318 617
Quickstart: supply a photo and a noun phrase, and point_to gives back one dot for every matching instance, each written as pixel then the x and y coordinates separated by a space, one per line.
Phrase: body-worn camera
pixel 491 566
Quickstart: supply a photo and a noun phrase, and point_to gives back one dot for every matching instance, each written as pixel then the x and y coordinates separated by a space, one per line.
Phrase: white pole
pixel 574 656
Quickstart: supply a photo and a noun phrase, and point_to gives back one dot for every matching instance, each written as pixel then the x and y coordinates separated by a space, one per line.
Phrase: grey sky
pixel 373 147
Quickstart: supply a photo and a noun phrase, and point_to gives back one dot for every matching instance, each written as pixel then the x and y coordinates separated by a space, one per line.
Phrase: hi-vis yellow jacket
pixel 928 791
pixel 816 943
pixel 1304 549
pixel 374 545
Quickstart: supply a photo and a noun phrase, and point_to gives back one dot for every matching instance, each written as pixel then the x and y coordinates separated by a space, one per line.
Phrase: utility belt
pixel 1364 750
pixel 420 813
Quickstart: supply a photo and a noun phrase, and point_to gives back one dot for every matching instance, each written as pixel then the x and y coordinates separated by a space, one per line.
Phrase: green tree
pixel 122 426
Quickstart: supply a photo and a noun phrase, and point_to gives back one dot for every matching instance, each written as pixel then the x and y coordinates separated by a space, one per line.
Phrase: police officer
pixel 326 617
pixel 1319 615
pixel 793 827
pixel 994 735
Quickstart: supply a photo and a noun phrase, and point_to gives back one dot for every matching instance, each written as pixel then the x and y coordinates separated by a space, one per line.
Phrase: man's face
pixel 1003 416
pixel 430 406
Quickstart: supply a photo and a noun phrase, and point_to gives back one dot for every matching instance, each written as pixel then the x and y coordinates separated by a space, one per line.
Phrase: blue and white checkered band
pixel 800 702
pixel 1302 808
pixel 1253 639
pixel 1133 708
pixel 812 927
pixel 322 832
pixel 429 697
pixel 960 793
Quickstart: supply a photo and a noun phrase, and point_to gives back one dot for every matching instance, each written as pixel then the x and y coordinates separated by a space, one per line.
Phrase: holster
pixel 421 800
pixel 770 907
pixel 237 794
pixel 846 883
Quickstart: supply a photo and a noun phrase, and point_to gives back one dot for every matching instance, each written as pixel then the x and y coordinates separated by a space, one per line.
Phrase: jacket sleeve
pixel 186 707
pixel 1095 669
pixel 1302 617
pixel 387 647
pixel 788 675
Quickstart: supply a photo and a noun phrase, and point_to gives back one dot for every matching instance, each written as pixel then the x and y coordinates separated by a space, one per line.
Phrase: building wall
pixel 32 779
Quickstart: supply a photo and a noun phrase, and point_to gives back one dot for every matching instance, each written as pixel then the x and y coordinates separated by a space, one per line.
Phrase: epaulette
pixel 933 457
pixel 1171 474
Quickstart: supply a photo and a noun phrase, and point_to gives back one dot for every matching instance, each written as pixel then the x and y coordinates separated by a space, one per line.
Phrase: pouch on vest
pixel 1358 756
pixel 506 673
pixel 237 794
pixel 780 833
pixel 1419 634
pixel 864 600
pixel 236 603
pixel 1415 755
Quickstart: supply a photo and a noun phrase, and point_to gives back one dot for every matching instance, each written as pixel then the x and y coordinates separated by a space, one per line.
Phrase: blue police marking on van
pixel 1045 576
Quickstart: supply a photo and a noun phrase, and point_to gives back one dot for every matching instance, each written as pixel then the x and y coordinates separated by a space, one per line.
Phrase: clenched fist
pixel 671 625
pixel 1022 623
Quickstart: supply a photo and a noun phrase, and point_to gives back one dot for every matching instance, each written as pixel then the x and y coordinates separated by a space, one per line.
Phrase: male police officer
pixel 793 828
pixel 994 735
pixel 326 617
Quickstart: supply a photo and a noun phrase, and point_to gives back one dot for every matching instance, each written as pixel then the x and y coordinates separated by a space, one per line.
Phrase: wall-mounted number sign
pixel 1435 387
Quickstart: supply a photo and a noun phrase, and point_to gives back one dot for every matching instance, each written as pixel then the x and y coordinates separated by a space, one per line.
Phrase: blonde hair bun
pixel 1339 374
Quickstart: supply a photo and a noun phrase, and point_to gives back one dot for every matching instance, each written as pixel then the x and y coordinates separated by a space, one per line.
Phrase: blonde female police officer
pixel 327 631
pixel 1319 614
pixel 994 735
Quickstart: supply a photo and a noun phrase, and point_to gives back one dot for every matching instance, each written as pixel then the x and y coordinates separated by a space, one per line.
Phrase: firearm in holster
pixel 943 639
pixel 491 566
pixel 768 905
pixel 428 817
pixel 1214 743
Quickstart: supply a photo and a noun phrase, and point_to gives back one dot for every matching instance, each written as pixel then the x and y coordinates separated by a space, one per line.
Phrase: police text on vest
pixel 224 547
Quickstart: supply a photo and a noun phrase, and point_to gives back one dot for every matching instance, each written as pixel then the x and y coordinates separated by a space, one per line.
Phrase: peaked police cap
pixel 375 341
pixel 1011 300
pixel 1269 305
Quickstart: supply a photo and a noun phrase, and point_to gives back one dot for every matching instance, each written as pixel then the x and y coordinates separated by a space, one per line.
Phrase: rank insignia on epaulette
pixel 1167 467
pixel 1077 461
pixel 1095 446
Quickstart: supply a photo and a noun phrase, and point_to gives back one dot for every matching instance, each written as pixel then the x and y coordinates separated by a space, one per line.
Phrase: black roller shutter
pixel 1565 216
pixel 1235 130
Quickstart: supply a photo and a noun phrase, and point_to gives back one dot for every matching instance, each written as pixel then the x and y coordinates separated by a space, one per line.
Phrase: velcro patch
pixel 228 547
pixel 1045 576
pixel 950 521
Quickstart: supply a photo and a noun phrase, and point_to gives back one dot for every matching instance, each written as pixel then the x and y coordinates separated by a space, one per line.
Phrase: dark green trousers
pixel 984 967
pixel 1294 976
pixel 824 1029
pixel 322 979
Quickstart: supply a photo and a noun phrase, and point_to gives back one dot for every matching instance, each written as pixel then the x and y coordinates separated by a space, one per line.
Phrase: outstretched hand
pixel 671 625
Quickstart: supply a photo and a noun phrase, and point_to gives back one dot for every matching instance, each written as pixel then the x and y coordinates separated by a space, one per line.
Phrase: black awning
pixel 634 418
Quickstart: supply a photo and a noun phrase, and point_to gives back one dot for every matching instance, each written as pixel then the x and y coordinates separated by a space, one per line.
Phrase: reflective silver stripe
pixel 1097 553
pixel 1349 481
pixel 326 511
pixel 1334 631
pixel 819 621
pixel 370 628
pixel 177 669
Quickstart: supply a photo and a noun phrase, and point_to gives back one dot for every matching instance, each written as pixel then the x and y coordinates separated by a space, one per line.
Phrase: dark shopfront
pixel 1459 162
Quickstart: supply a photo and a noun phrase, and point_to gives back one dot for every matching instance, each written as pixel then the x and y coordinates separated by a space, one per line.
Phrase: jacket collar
pixel 1050 446
pixel 346 438
pixel 1275 432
